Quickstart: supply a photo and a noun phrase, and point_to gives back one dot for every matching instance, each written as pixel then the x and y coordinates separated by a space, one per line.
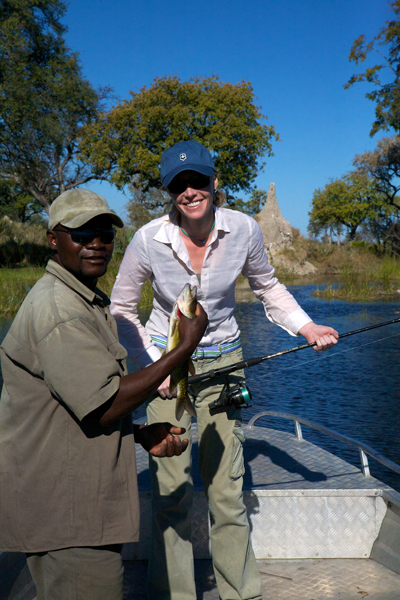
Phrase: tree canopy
pixel 347 201
pixel 128 141
pixel 17 204
pixel 386 95
pixel 44 101
pixel 253 205
pixel 382 165
pixel 145 205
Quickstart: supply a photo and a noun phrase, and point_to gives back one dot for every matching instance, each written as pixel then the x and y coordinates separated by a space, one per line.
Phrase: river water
pixel 353 388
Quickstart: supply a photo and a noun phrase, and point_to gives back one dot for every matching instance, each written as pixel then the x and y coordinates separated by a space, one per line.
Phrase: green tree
pixel 347 201
pixel 127 143
pixel 382 165
pixel 253 205
pixel 44 101
pixel 386 95
pixel 383 226
pixel 145 205
pixel 17 204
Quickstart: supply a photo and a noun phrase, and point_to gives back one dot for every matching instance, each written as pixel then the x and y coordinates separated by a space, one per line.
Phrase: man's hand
pixel 325 337
pixel 161 439
pixel 190 333
pixel 135 388
pixel 192 330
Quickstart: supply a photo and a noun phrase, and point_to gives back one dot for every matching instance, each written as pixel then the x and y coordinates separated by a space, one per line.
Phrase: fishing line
pixel 330 355
pixel 238 394
pixel 244 364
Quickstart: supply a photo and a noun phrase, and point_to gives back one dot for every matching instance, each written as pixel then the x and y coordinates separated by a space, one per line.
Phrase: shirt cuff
pixel 296 320
pixel 148 357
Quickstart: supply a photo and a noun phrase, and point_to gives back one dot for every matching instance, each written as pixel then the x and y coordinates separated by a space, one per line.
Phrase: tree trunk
pixel 353 233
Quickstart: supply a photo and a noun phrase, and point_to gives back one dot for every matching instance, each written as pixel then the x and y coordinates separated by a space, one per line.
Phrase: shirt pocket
pixel 119 353
pixel 237 466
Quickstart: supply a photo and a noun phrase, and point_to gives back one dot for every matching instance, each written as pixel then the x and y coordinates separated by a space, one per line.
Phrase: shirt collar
pixel 72 282
pixel 168 233
pixel 220 223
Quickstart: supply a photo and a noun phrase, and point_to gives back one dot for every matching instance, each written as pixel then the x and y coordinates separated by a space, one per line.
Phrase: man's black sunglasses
pixel 85 236
pixel 196 181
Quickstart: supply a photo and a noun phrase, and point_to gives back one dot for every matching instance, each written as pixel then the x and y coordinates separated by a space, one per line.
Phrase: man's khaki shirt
pixel 63 480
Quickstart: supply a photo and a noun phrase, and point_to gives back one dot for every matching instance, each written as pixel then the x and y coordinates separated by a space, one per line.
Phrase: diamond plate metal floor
pixel 278 460
pixel 340 579
pixel 302 501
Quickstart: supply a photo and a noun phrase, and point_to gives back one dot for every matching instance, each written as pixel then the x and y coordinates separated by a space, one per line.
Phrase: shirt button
pixel 205 275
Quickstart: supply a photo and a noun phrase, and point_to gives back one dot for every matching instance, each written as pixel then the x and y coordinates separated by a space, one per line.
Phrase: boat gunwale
pixel 363 448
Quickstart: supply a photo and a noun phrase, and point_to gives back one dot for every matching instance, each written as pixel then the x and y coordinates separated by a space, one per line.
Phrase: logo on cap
pixel 182 156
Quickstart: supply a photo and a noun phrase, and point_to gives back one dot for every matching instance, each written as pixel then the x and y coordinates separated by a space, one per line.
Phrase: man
pixel 68 489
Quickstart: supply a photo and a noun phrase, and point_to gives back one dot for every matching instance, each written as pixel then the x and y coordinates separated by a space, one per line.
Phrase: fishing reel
pixel 239 395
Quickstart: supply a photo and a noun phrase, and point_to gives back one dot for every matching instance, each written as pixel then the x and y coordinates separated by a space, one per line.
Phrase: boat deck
pixel 344 579
pixel 277 460
pixel 302 501
pixel 314 519
pixel 315 522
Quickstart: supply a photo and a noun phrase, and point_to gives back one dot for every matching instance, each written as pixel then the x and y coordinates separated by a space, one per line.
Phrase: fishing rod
pixel 241 395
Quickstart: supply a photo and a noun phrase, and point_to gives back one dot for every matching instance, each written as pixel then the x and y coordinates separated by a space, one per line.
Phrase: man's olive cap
pixel 76 207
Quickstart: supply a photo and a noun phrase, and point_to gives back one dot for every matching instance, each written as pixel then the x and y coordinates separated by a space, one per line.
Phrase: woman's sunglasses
pixel 196 181
pixel 85 236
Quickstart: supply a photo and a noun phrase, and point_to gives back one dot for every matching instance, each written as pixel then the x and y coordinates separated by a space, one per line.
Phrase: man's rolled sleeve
pixel 80 371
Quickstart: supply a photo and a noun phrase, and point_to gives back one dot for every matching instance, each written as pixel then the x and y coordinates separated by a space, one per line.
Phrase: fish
pixel 185 304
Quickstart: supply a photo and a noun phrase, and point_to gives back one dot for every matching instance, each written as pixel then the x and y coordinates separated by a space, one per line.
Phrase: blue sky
pixel 294 53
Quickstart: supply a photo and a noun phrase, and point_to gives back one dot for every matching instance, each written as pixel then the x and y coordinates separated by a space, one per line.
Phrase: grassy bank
pixel 372 282
pixel 16 283
pixel 24 253
pixel 107 281
pixel 22 245
pixel 360 278
pixel 362 273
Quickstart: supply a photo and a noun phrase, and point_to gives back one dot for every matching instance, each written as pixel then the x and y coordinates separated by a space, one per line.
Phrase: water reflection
pixel 353 389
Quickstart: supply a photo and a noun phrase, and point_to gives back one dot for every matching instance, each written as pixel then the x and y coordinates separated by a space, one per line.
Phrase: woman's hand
pixel 163 390
pixel 325 337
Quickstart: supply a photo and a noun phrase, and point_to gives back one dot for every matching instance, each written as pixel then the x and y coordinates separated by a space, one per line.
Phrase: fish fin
pixel 182 406
pixel 179 410
pixel 189 406
pixel 191 368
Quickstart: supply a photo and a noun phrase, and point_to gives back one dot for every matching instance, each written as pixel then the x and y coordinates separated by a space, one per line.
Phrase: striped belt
pixel 202 351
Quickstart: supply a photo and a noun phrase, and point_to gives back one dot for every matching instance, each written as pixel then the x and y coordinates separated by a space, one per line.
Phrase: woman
pixel 208 246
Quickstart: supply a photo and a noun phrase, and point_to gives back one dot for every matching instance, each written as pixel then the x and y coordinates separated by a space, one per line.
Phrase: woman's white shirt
pixel 158 253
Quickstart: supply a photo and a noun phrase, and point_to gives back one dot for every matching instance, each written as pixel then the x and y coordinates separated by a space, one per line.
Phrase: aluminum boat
pixel 321 527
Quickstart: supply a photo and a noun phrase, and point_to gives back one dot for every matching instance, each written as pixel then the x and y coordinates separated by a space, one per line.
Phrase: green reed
pixel 22 245
pixel 369 284
pixel 14 286
pixel 107 281
pixel 16 283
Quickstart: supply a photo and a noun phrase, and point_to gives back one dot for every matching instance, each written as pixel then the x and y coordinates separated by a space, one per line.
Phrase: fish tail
pixel 183 401
pixel 187 405
pixel 179 410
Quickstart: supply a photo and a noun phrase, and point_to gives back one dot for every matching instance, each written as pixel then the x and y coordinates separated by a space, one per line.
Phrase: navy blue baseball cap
pixel 185 156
